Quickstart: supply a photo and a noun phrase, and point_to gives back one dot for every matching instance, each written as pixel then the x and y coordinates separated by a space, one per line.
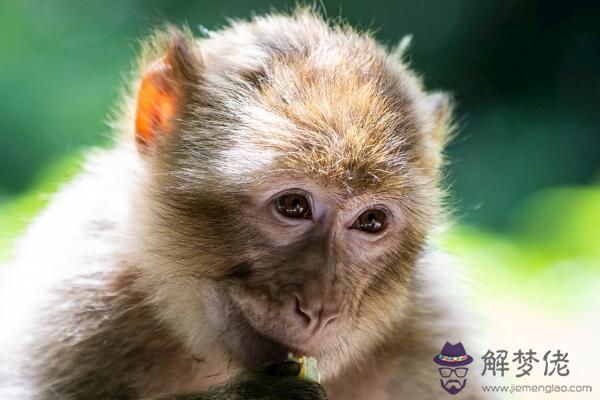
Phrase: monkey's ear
pixel 440 107
pixel 166 86
pixel 439 111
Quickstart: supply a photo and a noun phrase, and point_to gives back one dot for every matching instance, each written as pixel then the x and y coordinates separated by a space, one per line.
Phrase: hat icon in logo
pixel 453 355
pixel 452 360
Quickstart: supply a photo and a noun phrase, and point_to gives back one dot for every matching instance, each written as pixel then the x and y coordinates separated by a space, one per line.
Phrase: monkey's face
pixel 313 252
pixel 287 209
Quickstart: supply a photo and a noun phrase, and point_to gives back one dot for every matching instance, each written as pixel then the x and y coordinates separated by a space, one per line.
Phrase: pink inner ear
pixel 156 104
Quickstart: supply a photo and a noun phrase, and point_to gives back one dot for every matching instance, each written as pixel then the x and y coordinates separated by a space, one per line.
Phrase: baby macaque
pixel 272 189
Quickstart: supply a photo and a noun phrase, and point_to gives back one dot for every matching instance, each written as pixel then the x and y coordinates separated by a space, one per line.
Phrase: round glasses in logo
pixel 459 372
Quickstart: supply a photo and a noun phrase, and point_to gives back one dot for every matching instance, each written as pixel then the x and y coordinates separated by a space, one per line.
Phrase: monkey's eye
pixel 293 205
pixel 370 221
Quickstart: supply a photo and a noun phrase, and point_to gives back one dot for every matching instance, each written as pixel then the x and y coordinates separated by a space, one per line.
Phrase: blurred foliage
pixel 17 213
pixel 550 256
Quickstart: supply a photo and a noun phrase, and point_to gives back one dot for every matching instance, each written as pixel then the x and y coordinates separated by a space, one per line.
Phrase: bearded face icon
pixel 453 373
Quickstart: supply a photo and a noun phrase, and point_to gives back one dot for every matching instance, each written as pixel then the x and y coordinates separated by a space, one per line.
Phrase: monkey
pixel 273 187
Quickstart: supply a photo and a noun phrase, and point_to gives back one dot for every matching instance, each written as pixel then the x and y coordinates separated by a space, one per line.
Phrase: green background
pixel 524 167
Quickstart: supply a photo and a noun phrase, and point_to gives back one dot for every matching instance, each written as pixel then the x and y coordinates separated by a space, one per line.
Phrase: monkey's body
pixel 115 294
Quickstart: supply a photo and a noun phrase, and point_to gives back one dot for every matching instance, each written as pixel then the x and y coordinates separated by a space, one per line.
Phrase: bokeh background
pixel 524 175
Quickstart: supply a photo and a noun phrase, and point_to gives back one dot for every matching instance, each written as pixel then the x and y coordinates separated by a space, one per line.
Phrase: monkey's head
pixel 290 182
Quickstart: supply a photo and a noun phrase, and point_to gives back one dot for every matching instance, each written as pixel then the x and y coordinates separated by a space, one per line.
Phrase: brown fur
pixel 161 305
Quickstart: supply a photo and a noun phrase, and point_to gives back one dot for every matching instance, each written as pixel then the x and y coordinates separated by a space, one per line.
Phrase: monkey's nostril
pixel 305 317
pixel 330 321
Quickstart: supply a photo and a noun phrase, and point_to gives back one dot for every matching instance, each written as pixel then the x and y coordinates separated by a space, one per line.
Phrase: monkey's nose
pixel 312 318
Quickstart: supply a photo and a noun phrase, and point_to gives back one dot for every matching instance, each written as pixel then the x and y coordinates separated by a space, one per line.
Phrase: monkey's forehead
pixel 330 124
pixel 350 161
pixel 310 97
